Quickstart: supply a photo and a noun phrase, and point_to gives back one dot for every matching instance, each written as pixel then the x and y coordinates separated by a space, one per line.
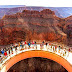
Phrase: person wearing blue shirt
pixel 2 51
pixel 29 44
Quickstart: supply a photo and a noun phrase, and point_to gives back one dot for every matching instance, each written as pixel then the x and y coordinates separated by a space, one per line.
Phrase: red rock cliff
pixel 30 25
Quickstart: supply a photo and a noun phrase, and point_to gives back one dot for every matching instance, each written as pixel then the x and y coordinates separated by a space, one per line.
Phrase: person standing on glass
pixel 29 44
pixel 46 45
pixel 5 53
pixel 2 51
pixel 35 45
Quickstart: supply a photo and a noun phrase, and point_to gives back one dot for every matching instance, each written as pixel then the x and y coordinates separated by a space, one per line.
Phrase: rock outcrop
pixel 33 25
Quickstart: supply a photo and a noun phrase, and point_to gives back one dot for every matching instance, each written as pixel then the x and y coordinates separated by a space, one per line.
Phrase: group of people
pixel 4 53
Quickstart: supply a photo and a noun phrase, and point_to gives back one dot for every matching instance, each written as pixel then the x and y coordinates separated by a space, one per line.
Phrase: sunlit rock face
pixel 37 65
pixel 33 25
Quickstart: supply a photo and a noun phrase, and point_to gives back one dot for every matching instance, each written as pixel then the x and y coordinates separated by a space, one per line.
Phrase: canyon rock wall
pixel 33 25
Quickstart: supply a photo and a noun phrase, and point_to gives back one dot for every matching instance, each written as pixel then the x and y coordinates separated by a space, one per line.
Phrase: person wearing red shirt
pixel 25 42
pixel 49 43
pixel 32 42
pixel 5 53
pixel 55 48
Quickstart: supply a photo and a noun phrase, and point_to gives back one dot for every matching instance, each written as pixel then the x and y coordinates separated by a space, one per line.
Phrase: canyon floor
pixel 37 64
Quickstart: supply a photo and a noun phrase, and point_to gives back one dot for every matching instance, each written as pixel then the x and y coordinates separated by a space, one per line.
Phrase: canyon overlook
pixel 35 25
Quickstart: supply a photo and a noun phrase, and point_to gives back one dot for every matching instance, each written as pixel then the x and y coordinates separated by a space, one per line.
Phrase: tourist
pixel 46 44
pixel 69 50
pixel 32 42
pixel 35 45
pixel 43 43
pixel 2 51
pixel 65 51
pixel 5 53
pixel 49 43
pixel 16 47
pixel 35 42
pixel 59 47
pixel 1 58
pixel 25 42
pixel 25 45
pixel 11 50
pixel 22 44
pixel 41 46
pixel 14 52
pixel 19 44
pixel 55 48
pixel 29 44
